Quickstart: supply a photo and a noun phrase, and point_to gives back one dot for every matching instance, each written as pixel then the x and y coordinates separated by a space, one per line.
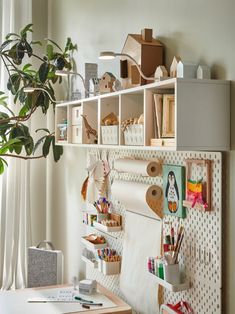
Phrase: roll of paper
pixel 143 167
pixel 139 198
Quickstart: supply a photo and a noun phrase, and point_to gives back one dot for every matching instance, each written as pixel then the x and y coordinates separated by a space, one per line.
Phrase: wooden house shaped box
pixel 106 83
pixel 148 53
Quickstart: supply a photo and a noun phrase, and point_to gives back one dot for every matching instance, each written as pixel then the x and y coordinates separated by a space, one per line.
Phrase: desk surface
pixel 12 302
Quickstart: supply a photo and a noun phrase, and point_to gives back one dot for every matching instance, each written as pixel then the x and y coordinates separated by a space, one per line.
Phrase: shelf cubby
pixel 90 111
pixel 61 124
pixel 109 134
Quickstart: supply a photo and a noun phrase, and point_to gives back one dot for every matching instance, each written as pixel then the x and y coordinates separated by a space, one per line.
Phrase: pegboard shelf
pixel 92 246
pixel 114 235
pixel 93 264
pixel 104 228
pixel 169 286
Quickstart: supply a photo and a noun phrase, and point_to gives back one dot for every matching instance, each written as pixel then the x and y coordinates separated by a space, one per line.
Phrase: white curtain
pixel 15 218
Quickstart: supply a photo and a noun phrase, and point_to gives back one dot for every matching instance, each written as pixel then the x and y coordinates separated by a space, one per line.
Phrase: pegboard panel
pixel 201 252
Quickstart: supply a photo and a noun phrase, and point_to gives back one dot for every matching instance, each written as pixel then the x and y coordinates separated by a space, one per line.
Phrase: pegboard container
pixel 134 135
pixel 201 251
pixel 109 268
pixel 110 134
pixel 93 246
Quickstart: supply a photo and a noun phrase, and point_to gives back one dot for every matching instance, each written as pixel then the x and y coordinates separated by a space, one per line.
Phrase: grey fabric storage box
pixel 45 266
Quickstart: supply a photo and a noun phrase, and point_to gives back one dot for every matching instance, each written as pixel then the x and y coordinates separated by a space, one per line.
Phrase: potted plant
pixel 15 138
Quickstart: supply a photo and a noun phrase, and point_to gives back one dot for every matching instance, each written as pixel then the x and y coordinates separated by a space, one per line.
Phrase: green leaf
pixel 29 146
pixel 12 52
pixel 20 51
pixel 26 66
pixel 6 106
pixel 1 166
pixel 69 45
pixel 46 146
pixel 43 71
pixel 50 52
pixel 3 116
pixel 6 146
pixel 5 162
pixel 5 44
pixel 22 96
pixel 5 126
pixel 27 28
pixel 38 143
pixel 9 35
pixel 18 148
pixel 57 150
pixel 29 49
pixel 24 110
pixel 43 129
pixel 36 43
pixel 54 43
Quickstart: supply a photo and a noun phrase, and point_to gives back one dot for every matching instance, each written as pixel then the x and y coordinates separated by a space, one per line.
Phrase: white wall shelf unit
pixel 201 118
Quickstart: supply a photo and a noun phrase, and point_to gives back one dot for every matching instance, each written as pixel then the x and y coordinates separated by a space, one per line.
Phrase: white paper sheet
pixel 142 239
pixel 12 302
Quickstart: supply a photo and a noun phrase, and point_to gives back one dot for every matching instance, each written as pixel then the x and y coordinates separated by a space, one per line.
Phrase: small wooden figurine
pixel 106 82
pixel 173 68
pixel 161 72
pixel 89 129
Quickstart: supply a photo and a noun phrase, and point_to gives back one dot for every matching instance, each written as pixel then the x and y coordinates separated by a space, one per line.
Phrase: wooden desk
pixel 12 302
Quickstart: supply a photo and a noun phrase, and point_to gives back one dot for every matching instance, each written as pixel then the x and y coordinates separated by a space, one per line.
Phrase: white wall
pixel 200 31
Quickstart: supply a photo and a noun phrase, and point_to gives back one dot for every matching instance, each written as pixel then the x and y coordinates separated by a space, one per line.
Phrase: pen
pixel 178 248
pixel 172 236
pixel 81 299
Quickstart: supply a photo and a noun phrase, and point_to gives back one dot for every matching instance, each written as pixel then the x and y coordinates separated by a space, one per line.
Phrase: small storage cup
pixel 172 273
pixel 110 268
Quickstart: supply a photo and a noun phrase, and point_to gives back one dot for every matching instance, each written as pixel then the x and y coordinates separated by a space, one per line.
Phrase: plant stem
pixel 21 157
pixel 19 118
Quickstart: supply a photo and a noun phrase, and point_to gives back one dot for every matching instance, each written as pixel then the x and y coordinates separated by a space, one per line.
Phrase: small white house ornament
pixel 203 72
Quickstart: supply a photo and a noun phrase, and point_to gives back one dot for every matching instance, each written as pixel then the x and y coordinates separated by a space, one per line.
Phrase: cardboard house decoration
pixel 203 72
pixel 148 53
pixel 94 85
pixel 161 71
pixel 106 82
pixel 186 70
pixel 173 67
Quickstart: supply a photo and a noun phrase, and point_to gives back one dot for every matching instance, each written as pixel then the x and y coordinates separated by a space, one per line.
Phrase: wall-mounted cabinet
pixel 178 114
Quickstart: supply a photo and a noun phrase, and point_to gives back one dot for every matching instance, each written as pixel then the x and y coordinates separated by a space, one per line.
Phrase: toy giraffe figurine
pixel 89 129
